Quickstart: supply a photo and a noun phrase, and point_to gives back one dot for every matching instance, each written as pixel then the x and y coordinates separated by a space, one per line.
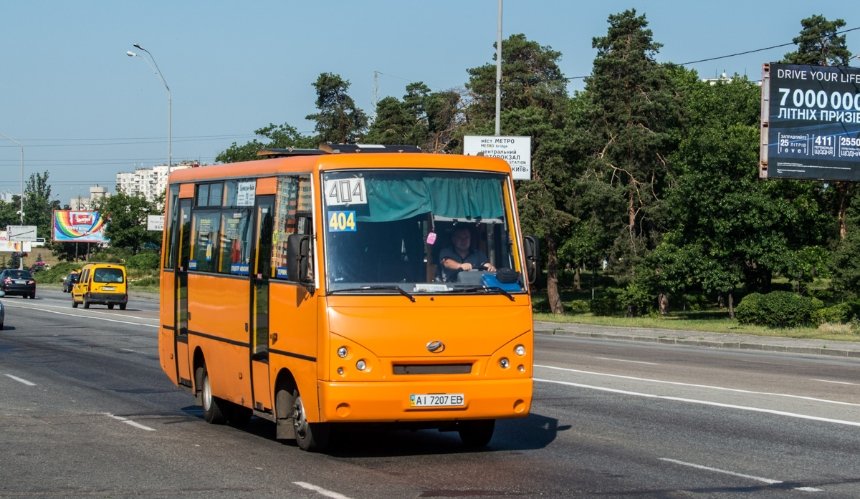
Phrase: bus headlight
pixel 520 350
pixel 342 352
pixel 361 365
pixel 504 362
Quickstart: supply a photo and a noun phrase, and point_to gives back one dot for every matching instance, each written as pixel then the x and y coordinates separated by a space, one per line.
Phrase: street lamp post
pixel 154 66
pixel 21 210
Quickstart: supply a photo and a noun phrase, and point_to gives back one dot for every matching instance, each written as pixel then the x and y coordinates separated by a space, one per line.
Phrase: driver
pixel 460 256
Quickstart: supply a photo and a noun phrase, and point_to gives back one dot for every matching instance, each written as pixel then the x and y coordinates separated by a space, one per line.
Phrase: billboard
pixel 7 246
pixel 517 151
pixel 78 227
pixel 810 122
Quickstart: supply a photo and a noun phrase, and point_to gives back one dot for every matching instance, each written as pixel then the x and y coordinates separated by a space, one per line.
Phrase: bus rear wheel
pixel 212 412
pixel 476 433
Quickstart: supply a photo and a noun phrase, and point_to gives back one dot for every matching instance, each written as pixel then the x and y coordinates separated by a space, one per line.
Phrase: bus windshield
pixel 394 230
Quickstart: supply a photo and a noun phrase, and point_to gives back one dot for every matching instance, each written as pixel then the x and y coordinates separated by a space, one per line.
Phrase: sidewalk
pixel 704 339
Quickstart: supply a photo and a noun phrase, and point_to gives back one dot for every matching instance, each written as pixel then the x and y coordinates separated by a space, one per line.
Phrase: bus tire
pixel 122 306
pixel 110 306
pixel 212 412
pixel 476 434
pixel 86 303
pixel 311 437
pixel 74 304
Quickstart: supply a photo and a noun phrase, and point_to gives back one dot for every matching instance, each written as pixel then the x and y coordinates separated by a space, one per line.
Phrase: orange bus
pixel 308 289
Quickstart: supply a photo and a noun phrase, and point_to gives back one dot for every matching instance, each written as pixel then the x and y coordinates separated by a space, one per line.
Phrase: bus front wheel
pixel 476 433
pixel 212 412
pixel 313 437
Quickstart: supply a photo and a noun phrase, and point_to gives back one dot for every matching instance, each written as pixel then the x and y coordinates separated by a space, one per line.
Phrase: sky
pixel 83 110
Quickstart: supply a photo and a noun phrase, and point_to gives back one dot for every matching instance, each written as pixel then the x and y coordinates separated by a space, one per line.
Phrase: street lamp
pixel 21 210
pixel 154 66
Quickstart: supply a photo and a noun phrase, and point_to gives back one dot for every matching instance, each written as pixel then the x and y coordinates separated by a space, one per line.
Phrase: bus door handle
pixel 274 337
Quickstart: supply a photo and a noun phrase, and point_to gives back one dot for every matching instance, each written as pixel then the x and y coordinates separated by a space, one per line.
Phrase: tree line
pixel 648 175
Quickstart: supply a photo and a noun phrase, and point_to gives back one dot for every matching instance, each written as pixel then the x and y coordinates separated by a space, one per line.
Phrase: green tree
pixel 534 103
pixel 846 265
pixel 427 119
pixel 279 136
pixel 339 120
pixel 393 124
pixel 38 206
pixel 126 221
pixel 819 43
pixel 634 115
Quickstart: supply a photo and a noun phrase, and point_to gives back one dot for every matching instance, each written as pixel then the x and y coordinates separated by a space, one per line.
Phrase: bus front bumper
pixel 424 400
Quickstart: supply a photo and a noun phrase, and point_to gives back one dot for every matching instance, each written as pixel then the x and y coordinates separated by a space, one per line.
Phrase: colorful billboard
pixel 78 227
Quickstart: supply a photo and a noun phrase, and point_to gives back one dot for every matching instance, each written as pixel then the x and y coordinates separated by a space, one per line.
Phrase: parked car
pixel 2 310
pixel 18 282
pixel 70 280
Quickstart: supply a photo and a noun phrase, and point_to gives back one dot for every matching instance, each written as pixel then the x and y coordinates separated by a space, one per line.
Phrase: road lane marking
pixel 733 473
pixel 87 316
pixel 129 422
pixel 703 402
pixel 630 361
pixel 834 382
pixel 21 380
pixel 320 490
pixel 710 387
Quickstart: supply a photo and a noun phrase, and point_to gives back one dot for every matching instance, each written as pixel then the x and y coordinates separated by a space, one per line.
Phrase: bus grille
pixel 432 368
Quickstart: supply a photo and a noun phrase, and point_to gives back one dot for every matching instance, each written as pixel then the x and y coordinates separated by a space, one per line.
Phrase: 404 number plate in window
pixel 437 400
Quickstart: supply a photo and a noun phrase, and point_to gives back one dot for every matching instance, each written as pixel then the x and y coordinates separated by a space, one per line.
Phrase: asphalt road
pixel 86 411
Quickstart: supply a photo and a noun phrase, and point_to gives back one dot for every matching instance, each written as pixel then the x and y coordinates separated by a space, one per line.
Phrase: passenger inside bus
pixel 461 256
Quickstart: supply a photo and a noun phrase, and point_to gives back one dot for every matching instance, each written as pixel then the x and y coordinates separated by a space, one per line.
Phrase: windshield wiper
pixel 379 287
pixel 489 289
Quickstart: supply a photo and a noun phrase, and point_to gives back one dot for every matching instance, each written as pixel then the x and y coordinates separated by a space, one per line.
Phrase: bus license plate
pixel 437 400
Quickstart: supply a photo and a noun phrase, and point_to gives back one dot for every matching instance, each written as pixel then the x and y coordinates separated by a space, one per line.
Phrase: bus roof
pixel 321 162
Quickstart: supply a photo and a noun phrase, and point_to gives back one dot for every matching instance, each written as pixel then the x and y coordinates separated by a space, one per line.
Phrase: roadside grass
pixel 713 321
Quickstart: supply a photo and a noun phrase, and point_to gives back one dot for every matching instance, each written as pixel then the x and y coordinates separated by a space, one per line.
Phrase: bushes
pixel 841 313
pixel 779 309
pixel 144 261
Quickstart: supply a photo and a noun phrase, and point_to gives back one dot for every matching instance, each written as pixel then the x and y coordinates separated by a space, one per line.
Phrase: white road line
pixel 129 422
pixel 834 382
pixel 87 316
pixel 128 350
pixel 320 490
pixel 703 402
pixel 21 380
pixel 732 473
pixel 630 361
pixel 709 387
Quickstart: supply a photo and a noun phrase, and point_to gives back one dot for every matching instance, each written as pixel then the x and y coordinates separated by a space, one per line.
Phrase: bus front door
pixel 262 269
pixel 180 305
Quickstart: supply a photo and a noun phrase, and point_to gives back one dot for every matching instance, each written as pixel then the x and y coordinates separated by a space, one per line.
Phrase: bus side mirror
pixel 532 251
pixel 299 258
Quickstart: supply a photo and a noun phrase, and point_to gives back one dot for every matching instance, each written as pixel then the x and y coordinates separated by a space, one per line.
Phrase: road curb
pixel 738 345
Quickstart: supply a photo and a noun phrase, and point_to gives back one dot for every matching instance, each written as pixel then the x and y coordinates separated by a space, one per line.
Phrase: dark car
pixel 2 310
pixel 70 280
pixel 18 282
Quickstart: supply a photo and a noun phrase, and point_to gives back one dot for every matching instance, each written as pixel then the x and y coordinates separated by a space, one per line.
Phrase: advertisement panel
pixel 810 123
pixel 517 151
pixel 78 227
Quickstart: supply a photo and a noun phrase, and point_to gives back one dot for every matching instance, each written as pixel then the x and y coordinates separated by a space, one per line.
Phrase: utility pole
pixel 499 73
